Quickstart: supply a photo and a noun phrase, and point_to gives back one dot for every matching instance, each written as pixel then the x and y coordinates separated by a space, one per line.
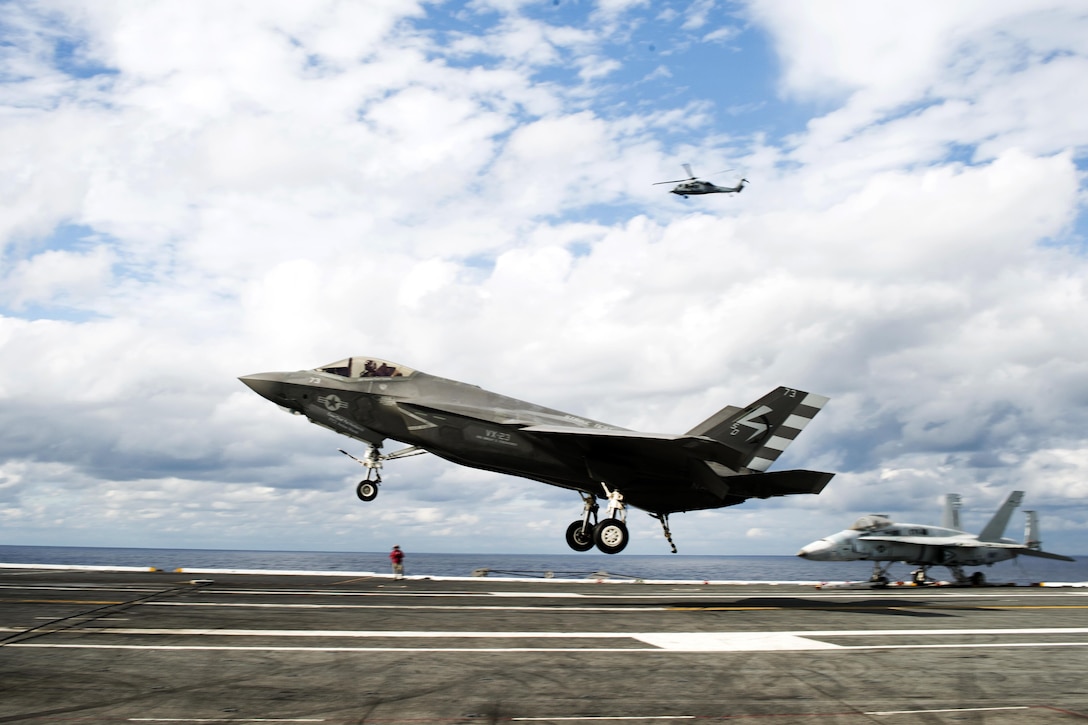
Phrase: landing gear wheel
pixel 918 576
pixel 367 490
pixel 578 539
pixel 978 579
pixel 610 535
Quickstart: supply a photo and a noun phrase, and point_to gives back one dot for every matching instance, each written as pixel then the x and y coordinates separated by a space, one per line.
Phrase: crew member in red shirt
pixel 397 557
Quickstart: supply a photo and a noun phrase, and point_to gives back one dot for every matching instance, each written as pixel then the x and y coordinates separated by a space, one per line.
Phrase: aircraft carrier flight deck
pixel 130 646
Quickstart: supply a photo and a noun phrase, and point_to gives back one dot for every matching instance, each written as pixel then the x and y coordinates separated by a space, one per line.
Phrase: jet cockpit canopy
pixel 366 367
pixel 872 522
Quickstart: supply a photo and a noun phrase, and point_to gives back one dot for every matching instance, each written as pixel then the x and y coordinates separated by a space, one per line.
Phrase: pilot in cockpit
pixel 373 370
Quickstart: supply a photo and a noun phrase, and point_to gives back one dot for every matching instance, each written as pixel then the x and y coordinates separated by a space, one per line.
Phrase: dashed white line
pixel 950 709
pixel 677 642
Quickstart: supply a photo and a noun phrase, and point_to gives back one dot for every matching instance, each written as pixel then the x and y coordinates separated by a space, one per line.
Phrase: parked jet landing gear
pixel 367 490
pixel 975 579
pixel 920 577
pixel 879 577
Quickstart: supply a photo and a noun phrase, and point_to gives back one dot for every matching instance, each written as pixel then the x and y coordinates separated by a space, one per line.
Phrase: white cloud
pixel 302 185
pixel 57 277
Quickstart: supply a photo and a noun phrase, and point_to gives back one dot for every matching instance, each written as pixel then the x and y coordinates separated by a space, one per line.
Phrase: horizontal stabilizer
pixel 1046 555
pixel 785 483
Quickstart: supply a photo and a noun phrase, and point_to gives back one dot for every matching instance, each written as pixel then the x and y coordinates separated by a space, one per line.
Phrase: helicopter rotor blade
pixel 718 173
pixel 687 168
pixel 674 181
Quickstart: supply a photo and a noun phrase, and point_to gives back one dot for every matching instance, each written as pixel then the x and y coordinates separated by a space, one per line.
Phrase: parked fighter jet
pixel 878 539
pixel 720 462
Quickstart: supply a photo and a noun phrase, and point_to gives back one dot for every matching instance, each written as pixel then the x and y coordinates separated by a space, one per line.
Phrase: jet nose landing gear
pixel 367 490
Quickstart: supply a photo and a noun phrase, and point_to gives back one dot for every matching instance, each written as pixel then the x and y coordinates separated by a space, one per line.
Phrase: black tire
pixel 577 539
pixel 366 490
pixel 978 579
pixel 611 536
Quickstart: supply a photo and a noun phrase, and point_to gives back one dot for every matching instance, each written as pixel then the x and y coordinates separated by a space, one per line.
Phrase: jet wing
pixel 952 541
pixel 499 416
pixel 955 541
pixel 701 447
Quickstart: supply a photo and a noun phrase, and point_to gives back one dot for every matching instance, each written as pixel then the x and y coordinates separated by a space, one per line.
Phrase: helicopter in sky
pixel 692 185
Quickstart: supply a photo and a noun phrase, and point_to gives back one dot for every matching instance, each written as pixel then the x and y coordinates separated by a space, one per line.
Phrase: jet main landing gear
pixel 580 532
pixel 609 534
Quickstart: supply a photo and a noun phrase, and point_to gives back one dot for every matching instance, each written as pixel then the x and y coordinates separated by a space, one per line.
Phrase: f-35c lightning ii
pixel 721 462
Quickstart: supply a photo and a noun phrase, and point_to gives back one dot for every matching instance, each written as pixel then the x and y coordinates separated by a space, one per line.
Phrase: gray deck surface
pixel 131 647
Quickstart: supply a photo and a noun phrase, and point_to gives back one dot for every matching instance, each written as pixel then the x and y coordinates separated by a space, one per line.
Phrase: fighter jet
pixel 721 462
pixel 878 539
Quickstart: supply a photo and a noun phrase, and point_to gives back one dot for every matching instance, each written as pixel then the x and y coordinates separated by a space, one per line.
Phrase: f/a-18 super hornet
pixel 877 538
pixel 721 462
pixel 693 186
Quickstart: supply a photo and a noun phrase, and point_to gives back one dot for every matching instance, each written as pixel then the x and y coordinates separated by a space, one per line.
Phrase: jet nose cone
pixel 267 385
pixel 817 550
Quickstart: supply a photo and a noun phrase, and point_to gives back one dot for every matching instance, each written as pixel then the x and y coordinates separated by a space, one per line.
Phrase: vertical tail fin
pixel 994 530
pixel 761 431
pixel 1031 531
pixel 951 518
pixel 1034 544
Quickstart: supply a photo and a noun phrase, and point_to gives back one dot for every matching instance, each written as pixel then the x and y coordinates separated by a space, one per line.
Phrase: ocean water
pixel 676 567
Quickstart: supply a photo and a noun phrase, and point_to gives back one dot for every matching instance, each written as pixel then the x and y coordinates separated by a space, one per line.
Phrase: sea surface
pixel 674 567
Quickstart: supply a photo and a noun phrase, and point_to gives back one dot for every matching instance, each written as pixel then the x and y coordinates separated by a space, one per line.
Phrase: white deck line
pixel 591 579
pixel 77 567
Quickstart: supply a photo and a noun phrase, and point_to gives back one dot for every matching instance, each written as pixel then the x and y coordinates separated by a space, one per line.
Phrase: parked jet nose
pixel 268 385
pixel 817 551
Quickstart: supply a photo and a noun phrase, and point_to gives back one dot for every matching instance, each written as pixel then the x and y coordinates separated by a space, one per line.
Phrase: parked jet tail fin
pixel 994 530
pixel 761 431
pixel 951 518
pixel 1031 531
pixel 1034 543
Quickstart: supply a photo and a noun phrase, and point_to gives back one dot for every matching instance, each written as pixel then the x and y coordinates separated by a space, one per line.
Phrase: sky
pixel 196 190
